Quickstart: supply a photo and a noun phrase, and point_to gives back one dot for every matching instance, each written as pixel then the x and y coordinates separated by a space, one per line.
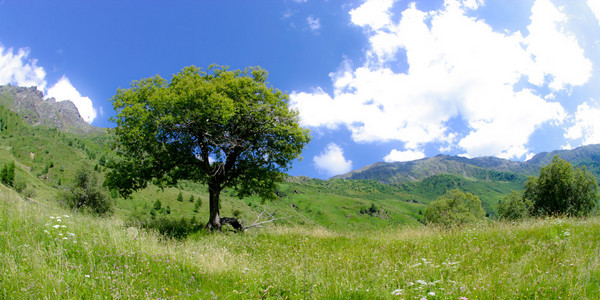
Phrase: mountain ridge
pixel 411 171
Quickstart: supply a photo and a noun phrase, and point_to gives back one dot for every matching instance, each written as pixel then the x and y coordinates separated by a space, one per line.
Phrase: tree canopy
pixel 221 127
pixel 514 207
pixel 87 194
pixel 562 190
pixel 455 207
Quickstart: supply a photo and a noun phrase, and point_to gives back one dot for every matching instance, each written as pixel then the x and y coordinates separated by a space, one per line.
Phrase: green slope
pixel 47 159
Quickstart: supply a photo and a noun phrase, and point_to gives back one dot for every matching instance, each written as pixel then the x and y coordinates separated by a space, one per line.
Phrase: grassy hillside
pixel 335 238
pixel 47 159
pixel 47 252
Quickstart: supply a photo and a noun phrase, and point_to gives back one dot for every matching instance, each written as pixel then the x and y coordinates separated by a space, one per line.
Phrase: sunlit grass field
pixel 47 252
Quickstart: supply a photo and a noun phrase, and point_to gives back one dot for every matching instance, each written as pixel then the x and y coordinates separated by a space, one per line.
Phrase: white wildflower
pixel 431 294
pixel 56 226
pixel 422 282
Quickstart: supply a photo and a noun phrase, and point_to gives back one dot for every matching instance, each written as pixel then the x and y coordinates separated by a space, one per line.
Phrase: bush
pixel 513 207
pixel 86 194
pixel 180 197
pixel 562 190
pixel 157 205
pixel 7 174
pixel 178 229
pixel 20 186
pixel 198 204
pixel 454 208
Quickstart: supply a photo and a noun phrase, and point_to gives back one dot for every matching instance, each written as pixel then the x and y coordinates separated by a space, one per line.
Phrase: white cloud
pixel 586 125
pixel 459 67
pixel 594 5
pixel 332 161
pixel 556 52
pixel 18 69
pixel 313 23
pixel 64 90
pixel 408 155
pixel 373 13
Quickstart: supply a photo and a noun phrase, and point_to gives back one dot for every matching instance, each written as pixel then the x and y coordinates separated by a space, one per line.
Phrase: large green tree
pixel 224 128
pixel 562 190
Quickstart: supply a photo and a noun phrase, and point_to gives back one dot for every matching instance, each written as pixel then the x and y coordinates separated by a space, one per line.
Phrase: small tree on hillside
pixel 87 194
pixel 7 174
pixel 180 197
pixel 222 128
pixel 455 207
pixel 562 190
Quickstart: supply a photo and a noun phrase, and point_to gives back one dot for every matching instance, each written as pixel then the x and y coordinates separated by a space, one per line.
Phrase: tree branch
pixel 259 224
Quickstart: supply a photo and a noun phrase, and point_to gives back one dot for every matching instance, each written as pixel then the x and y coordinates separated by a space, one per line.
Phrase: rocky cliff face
pixel 29 102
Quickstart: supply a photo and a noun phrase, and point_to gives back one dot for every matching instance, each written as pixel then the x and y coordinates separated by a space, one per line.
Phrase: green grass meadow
pixel 49 253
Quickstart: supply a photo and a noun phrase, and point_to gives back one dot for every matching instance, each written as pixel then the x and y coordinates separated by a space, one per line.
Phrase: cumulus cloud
pixel 18 69
pixel 595 7
pixel 408 155
pixel 586 126
pixel 556 52
pixel 64 90
pixel 459 67
pixel 313 23
pixel 332 161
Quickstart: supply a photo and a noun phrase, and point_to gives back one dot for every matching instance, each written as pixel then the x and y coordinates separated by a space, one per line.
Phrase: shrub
pixel 562 190
pixel 86 194
pixel 180 197
pixel 20 186
pixel 178 229
pixel 198 204
pixel 454 208
pixel 157 205
pixel 513 207
pixel 7 174
pixel 237 213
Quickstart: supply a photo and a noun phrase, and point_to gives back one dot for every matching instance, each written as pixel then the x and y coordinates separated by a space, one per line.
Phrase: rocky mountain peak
pixel 29 102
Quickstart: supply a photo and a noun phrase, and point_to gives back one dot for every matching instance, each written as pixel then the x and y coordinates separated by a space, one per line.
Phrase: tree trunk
pixel 214 220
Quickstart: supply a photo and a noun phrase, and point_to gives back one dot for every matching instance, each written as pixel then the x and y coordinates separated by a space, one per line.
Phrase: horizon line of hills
pixel 28 102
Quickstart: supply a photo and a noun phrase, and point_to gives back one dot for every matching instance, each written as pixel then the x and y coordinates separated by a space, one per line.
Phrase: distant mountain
pixel 29 102
pixel 481 168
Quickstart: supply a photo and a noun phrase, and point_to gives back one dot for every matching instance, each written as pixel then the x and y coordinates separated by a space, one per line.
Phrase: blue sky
pixel 375 80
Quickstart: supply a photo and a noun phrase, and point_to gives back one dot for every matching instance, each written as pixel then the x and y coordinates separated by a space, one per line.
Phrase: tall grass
pixel 46 252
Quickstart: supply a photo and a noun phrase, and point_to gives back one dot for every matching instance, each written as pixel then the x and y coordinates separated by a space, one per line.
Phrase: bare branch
pixel 259 224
